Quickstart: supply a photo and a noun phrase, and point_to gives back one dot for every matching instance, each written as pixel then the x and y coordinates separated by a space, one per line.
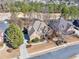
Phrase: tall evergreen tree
pixel 14 36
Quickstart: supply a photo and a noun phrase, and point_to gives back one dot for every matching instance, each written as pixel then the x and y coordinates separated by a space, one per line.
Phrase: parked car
pixel 76 23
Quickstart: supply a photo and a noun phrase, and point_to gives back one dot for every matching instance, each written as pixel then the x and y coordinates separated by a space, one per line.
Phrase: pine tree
pixel 15 36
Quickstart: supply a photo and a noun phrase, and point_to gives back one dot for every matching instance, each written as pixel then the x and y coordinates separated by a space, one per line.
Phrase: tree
pixel 24 7
pixel 19 7
pixel 50 8
pixel 14 36
pixel 13 9
pixel 56 8
pixel 65 12
pixel 36 7
pixel 74 12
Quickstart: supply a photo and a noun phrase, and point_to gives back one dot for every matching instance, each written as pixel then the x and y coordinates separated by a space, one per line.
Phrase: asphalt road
pixel 60 54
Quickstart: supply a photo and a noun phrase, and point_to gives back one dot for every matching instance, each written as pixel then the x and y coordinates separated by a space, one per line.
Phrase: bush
pixel 36 40
pixel 14 36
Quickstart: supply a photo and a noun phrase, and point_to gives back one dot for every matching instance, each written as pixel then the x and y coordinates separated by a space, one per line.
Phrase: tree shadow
pixel 6 41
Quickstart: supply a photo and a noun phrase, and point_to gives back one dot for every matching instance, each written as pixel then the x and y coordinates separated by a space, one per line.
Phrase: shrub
pixel 36 40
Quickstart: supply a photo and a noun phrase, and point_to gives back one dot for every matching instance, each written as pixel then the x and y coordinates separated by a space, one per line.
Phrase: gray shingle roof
pixel 38 27
pixel 54 24
pixel 30 30
pixel 60 25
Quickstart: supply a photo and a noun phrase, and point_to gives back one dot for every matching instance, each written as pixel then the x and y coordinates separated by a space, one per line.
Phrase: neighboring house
pixel 3 27
pixel 37 29
pixel 60 28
